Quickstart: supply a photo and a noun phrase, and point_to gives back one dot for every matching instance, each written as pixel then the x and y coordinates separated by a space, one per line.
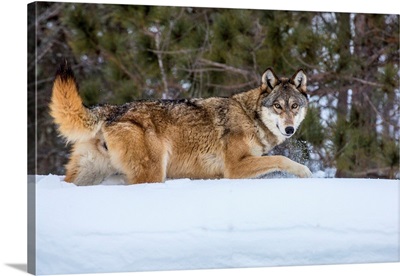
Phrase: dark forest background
pixel 121 53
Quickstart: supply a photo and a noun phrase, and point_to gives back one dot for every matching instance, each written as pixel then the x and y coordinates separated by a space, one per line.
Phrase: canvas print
pixel 180 138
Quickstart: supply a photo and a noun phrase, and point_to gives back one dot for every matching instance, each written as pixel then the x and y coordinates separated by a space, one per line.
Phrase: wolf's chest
pixel 264 141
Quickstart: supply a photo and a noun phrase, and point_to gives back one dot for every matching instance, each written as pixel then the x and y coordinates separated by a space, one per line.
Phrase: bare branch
pixel 157 38
pixel 375 109
pixel 370 83
pixel 202 70
pixel 310 66
pixel 53 11
pixel 225 67
pixel 232 87
pixel 175 52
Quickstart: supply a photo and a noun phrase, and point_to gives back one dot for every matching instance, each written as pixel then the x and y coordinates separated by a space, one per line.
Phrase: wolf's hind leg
pixel 88 166
pixel 138 152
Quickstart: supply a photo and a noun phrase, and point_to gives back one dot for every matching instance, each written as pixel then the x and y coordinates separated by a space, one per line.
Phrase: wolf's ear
pixel 270 79
pixel 299 79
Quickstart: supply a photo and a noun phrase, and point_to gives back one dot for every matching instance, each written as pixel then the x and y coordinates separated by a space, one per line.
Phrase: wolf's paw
pixel 303 171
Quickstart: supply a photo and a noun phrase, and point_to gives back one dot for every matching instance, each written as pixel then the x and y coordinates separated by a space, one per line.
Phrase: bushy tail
pixel 75 121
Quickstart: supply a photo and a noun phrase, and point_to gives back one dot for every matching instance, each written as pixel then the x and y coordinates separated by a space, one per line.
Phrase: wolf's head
pixel 283 102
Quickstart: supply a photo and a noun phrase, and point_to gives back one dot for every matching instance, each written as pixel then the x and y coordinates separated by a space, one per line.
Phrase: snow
pixel 204 224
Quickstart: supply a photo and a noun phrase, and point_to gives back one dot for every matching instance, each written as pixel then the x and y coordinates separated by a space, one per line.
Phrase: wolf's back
pixel 75 121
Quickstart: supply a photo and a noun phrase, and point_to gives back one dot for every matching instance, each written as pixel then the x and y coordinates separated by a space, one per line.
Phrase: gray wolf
pixel 150 141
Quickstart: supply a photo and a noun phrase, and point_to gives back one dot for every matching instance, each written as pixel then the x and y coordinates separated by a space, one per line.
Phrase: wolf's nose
pixel 289 130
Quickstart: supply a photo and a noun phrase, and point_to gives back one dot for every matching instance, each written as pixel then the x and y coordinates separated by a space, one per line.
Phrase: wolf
pixel 149 141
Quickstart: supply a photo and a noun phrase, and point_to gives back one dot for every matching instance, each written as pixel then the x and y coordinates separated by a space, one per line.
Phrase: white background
pixel 13 107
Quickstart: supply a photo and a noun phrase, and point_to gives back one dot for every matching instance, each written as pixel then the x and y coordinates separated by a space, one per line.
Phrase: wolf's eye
pixel 277 106
pixel 295 105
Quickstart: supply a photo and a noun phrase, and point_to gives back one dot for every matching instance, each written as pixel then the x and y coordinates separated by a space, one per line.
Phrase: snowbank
pixel 194 224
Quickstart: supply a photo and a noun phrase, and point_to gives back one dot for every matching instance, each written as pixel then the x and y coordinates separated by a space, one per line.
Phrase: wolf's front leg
pixel 255 166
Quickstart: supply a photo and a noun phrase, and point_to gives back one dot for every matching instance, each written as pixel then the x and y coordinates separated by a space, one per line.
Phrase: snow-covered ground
pixel 195 224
